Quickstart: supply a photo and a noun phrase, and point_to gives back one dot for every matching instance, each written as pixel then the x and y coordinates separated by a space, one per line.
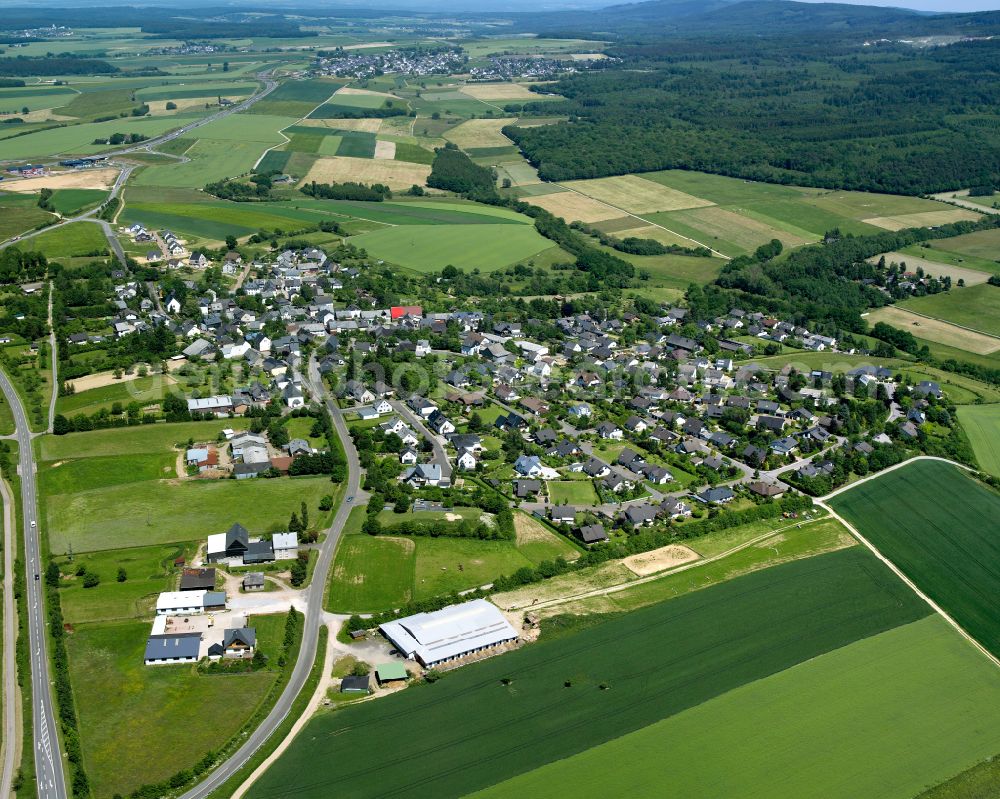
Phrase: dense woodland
pixel 889 118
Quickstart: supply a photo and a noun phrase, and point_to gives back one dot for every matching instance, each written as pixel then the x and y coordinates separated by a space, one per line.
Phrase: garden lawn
pixel 657 662
pixel 128 711
pixel 428 249
pixel 977 307
pixel 163 511
pixel 148 571
pixel 572 492
pixel 761 740
pixel 942 529
pixel 982 426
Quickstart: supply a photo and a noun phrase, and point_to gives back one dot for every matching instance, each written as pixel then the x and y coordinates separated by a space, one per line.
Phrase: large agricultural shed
pixel 450 633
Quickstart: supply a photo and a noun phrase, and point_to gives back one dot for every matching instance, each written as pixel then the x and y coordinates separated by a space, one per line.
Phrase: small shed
pixel 356 685
pixel 391 672
pixel 254 582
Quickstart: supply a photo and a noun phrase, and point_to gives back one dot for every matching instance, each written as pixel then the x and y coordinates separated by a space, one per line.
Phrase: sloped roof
pixel 449 632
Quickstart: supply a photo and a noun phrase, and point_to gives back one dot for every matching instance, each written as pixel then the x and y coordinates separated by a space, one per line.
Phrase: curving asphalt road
pixel 314 608
pixel 48 752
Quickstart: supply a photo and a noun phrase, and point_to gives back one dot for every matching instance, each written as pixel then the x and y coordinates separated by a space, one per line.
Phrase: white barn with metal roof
pixel 450 633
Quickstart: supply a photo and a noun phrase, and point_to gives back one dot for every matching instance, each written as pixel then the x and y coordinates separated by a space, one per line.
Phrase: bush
pixel 91 580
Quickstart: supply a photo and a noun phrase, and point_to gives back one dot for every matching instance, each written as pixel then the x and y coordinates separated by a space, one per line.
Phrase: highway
pixel 48 754
pixel 314 607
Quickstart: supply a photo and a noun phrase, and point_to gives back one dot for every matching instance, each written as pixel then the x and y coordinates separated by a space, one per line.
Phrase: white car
pixel 33 524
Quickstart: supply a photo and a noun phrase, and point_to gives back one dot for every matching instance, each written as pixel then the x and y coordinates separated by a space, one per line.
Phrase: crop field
pixel 207 91
pixel 418 213
pixel 756 741
pixel 480 133
pixel 146 710
pixel 247 128
pixel 975 307
pixel 361 125
pixel 924 219
pixel 428 249
pixel 637 195
pixel 34 98
pixel 394 174
pixel 502 91
pixel 729 232
pixel 946 540
pixel 77 139
pixel 413 153
pixel 982 427
pixel 490 45
pixel 215 219
pixel 295 98
pixel 681 654
pixel 935 329
pixel 572 492
pixel 575 207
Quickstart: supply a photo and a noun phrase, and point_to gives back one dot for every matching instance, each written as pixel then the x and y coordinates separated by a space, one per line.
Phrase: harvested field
pixel 480 133
pixel 651 232
pixel 727 226
pixel 587 56
pixel 924 219
pixel 346 91
pixel 936 268
pixel 659 559
pixel 574 207
pixel 77 179
pixel 500 91
pixel 394 174
pixel 637 195
pixel 159 107
pixel 936 330
pixel 102 379
pixel 367 45
pixel 359 125
pixel 385 150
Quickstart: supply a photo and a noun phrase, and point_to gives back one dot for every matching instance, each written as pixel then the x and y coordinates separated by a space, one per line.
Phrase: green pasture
pixel 167 511
pixel 211 160
pixel 34 98
pixel 413 153
pixel 148 572
pixel 127 709
pixel 761 739
pixel 71 201
pixel 20 214
pixel 427 249
pixel 69 241
pixel 217 219
pixel 940 527
pixel 210 90
pixel 652 664
pixel 977 307
pixel 379 572
pixel 246 128
pixel 295 98
pixel 144 390
pixel 78 139
pixel 938 252
pixel 145 439
pixel 87 474
pixel 983 244
pixel 982 428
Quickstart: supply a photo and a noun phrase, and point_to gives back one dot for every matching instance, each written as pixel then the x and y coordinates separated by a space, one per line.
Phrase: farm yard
pixel 945 540
pixel 762 646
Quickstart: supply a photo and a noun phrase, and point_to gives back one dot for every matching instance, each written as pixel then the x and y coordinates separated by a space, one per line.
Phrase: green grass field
pixel 69 241
pixel 982 426
pixel 295 98
pixel 127 710
pixel 983 244
pixel 166 511
pixel 657 662
pixel 572 492
pixel 380 572
pixel 149 570
pixel 940 527
pixel 211 159
pixel 143 390
pixel 427 249
pixel 976 307
pixel 19 214
pixel 71 201
pixel 78 139
pixel 142 440
pixel 217 219
pixel 761 740
pixel 86 474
